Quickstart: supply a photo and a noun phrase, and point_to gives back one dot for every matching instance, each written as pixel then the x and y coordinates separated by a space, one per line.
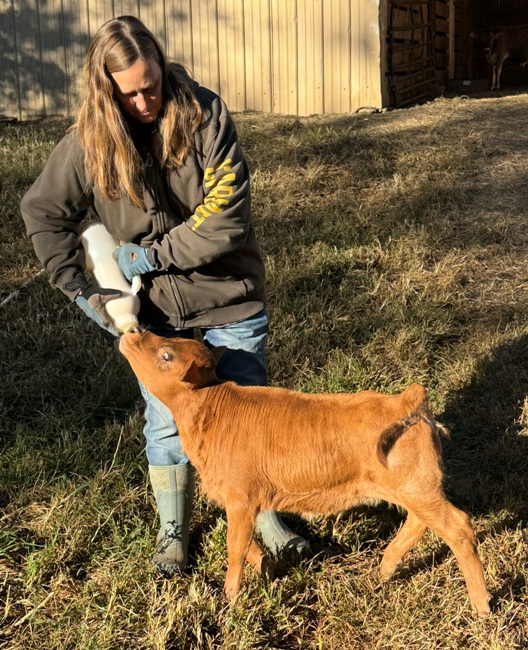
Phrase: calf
pixel 259 448
pixel 506 43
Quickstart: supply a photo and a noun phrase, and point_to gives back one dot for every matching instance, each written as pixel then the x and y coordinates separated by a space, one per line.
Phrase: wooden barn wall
pixel 441 40
pixel 410 50
pixel 452 29
pixel 297 57
pixel 428 44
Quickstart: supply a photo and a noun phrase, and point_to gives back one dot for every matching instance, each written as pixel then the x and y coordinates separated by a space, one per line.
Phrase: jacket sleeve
pixel 52 210
pixel 222 222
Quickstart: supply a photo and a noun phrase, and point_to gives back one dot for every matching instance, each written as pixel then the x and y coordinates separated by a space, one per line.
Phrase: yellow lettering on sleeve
pixel 217 197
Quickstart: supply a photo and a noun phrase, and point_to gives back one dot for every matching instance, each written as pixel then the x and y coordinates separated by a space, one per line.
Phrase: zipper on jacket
pixel 182 315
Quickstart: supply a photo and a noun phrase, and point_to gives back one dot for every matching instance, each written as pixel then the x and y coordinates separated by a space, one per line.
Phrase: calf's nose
pixel 136 329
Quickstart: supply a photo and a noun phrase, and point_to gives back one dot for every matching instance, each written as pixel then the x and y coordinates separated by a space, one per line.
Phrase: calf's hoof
pixel 387 573
pixel 231 590
pixel 483 609
pixel 389 566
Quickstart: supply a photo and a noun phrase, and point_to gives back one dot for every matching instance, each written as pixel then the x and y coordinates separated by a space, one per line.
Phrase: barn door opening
pixel 410 50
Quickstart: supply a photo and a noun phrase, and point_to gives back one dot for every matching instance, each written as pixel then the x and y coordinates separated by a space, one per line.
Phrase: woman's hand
pixel 135 260
pixel 92 300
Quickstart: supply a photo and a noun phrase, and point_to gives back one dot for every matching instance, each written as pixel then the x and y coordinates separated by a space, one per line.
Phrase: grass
pixel 396 249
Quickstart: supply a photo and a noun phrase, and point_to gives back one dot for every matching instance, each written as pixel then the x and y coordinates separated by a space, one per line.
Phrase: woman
pixel 156 158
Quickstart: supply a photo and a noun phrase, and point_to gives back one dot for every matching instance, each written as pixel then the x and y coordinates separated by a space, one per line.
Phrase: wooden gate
pixel 410 50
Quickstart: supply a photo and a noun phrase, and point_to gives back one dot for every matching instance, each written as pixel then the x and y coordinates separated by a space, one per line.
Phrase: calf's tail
pixel 415 403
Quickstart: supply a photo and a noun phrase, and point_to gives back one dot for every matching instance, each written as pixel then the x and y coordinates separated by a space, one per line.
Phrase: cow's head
pixel 165 365
pixel 487 40
pixel 490 49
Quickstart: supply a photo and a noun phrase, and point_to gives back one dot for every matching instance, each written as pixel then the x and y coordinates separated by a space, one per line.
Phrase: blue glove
pixel 135 260
pixel 92 300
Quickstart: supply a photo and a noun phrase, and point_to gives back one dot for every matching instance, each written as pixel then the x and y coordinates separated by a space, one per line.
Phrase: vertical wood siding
pixel 297 57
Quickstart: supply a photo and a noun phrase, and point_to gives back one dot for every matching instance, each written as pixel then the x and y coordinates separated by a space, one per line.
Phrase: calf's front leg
pixel 497 75
pixel 240 528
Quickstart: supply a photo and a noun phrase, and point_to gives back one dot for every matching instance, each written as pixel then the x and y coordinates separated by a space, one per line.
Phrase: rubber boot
pixel 173 487
pixel 278 537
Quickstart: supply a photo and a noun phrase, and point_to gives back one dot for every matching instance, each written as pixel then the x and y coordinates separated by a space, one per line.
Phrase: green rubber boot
pixel 173 487
pixel 278 537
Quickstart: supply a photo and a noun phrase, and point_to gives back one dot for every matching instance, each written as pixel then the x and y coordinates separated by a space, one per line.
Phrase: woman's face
pixel 138 90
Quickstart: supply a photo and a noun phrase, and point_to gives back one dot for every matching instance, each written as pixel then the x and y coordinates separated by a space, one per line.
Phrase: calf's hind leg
pixel 452 525
pixel 408 535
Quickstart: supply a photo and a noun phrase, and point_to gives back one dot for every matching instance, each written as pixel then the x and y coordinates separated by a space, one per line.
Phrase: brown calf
pixel 506 43
pixel 259 449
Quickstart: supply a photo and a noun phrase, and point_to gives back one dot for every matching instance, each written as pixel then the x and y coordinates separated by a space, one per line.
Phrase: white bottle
pixel 99 245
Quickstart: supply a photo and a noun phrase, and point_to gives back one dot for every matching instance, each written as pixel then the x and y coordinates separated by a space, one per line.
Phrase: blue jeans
pixel 244 362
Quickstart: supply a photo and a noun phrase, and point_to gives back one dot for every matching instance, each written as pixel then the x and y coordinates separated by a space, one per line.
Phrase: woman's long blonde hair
pixel 111 159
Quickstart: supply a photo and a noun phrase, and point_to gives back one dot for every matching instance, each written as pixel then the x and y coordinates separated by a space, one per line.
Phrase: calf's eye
pixel 166 356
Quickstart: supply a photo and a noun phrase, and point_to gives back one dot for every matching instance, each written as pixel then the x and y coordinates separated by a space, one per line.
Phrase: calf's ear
pixel 199 376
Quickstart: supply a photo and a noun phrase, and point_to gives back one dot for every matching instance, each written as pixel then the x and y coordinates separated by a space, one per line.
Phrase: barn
pixel 431 45
pixel 292 57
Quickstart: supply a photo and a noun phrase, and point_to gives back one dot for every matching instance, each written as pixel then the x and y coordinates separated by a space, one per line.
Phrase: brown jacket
pixel 197 218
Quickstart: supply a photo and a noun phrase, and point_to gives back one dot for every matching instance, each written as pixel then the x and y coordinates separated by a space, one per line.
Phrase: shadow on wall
pixel 42 53
pixel 38 54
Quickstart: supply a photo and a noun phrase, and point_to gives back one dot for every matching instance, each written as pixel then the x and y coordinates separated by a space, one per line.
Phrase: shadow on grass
pixel 486 459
